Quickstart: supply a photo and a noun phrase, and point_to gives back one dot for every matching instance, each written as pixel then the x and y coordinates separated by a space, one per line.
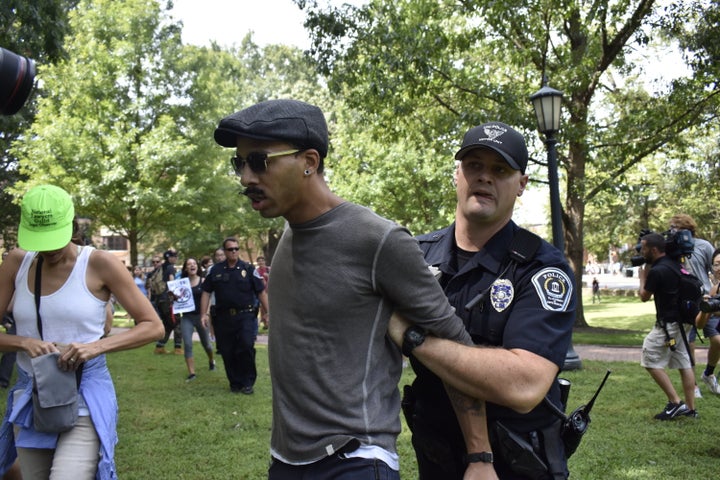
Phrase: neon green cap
pixel 46 219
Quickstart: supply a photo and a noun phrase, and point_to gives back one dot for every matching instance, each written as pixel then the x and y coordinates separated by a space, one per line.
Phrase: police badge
pixel 501 294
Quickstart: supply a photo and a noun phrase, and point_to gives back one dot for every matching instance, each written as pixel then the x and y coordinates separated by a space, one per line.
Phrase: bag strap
pixel 38 270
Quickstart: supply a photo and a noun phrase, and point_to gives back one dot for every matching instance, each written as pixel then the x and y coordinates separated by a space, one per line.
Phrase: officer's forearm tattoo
pixel 463 403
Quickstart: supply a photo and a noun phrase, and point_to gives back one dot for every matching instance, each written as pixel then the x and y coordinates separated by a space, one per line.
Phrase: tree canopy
pixel 421 72
pixel 35 30
pixel 126 112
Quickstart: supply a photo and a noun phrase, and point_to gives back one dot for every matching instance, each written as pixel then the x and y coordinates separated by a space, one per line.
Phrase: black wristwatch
pixel 484 457
pixel 413 337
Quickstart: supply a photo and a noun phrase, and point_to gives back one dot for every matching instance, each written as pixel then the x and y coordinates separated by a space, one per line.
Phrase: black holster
pixel 537 455
pixel 408 405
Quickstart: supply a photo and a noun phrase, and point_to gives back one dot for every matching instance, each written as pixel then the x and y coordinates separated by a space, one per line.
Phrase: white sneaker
pixel 711 382
pixel 698 394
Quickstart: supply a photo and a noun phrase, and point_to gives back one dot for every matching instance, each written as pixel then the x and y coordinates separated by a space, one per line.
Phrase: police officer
pixel 238 288
pixel 513 291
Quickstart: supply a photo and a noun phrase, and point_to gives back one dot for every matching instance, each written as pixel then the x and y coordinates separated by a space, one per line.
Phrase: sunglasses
pixel 232 249
pixel 257 161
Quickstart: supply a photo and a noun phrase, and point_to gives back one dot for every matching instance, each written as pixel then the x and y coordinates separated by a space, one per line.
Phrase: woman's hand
pixel 35 347
pixel 75 354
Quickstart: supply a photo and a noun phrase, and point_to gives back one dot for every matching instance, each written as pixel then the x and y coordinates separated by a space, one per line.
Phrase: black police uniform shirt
pixel 663 282
pixel 531 307
pixel 234 287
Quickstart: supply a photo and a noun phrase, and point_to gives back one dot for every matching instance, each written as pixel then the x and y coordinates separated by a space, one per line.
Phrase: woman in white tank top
pixel 76 284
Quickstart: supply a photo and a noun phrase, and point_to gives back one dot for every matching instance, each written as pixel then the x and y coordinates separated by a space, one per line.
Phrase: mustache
pixel 251 191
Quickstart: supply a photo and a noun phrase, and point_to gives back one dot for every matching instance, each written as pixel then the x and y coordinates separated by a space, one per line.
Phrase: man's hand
pixel 480 471
pixel 396 328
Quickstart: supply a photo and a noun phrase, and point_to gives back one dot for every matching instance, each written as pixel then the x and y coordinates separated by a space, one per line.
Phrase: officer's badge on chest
pixel 501 294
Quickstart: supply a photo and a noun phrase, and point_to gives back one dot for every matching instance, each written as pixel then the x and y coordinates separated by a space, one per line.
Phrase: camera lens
pixel 637 260
pixel 711 305
pixel 17 75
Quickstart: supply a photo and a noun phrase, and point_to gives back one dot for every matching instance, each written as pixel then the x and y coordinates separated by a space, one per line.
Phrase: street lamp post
pixel 547 102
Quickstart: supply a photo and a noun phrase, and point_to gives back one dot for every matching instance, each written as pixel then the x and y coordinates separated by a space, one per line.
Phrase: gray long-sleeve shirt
pixel 336 281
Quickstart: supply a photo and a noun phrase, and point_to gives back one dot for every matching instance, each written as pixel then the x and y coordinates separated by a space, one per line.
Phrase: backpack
pixel 690 294
pixel 156 282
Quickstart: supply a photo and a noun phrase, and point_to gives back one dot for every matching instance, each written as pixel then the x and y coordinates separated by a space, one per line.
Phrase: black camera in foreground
pixel 678 243
pixel 17 76
pixel 711 305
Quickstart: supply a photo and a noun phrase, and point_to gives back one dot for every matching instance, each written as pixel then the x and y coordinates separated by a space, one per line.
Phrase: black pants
pixel 235 336
pixel 164 311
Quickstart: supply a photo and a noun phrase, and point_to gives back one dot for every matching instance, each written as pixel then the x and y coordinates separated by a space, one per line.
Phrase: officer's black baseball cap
pixel 298 123
pixel 169 253
pixel 497 136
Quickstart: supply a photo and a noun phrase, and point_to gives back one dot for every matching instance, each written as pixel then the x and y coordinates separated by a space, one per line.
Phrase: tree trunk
pixel 574 213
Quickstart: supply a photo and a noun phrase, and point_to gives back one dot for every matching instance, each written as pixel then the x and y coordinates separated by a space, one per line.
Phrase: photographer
pixel 708 319
pixel 664 346
pixel 700 263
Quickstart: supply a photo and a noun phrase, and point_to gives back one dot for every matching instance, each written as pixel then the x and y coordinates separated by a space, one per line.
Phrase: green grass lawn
pixel 170 429
pixel 619 320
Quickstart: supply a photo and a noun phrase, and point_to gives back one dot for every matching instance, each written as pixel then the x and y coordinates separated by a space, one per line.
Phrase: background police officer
pixel 526 306
pixel 238 288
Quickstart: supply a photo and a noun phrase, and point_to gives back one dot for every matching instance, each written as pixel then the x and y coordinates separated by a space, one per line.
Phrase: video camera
pixel 711 305
pixel 678 243
pixel 17 76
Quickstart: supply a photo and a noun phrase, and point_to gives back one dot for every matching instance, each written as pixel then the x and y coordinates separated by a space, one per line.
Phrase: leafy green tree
pixel 34 30
pixel 222 82
pixel 423 71
pixel 109 128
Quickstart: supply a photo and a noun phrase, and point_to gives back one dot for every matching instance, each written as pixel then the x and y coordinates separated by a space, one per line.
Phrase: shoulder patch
pixel 554 288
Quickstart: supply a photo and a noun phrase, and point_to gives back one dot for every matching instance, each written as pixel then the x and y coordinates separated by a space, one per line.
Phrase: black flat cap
pixel 293 121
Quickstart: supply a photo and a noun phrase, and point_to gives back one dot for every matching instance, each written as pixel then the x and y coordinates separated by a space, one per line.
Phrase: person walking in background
pixel 264 272
pixel 338 272
pixel 61 291
pixel 218 257
pixel 156 263
pixel 162 299
pixel 237 288
pixel 664 346
pixel 709 322
pixel 205 264
pixel 595 290
pixel 191 321
pixel 139 279
pixel 700 264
